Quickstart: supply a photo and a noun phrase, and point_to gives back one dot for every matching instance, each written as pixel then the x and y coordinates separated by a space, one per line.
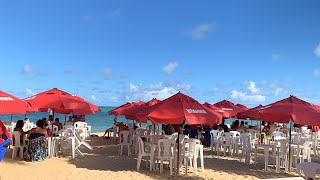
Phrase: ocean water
pixel 99 122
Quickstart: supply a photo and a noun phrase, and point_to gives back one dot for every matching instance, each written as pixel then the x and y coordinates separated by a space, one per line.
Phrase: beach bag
pixel 4 140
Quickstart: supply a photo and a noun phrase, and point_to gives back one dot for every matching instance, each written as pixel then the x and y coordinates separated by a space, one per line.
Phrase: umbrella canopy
pixel 118 109
pixel 224 114
pixel 229 107
pixel 243 107
pixel 131 112
pixel 291 108
pixel 60 102
pixel 252 113
pixel 10 104
pixel 180 107
pixel 93 106
pixel 31 108
pixel 126 109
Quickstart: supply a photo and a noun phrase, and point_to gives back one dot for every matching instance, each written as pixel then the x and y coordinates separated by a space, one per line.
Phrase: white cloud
pixel 133 88
pixel 169 68
pixel 277 90
pixel 276 57
pixel 29 92
pixel 248 98
pixel 183 87
pixel 27 69
pixel 107 73
pixel 161 91
pixel 87 18
pixel 116 13
pixel 200 31
pixel 94 98
pixel 316 72
pixel 317 51
pixel 252 87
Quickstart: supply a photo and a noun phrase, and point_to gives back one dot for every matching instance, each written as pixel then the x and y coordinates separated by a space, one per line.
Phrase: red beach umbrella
pixel 10 104
pixel 252 113
pixel 224 114
pixel 115 111
pixel 229 107
pixel 30 108
pixel 291 108
pixel 93 106
pixel 243 107
pixel 59 102
pixel 122 110
pixel 180 107
pixel 131 112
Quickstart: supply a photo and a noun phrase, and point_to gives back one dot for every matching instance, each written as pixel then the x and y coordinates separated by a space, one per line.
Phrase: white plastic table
pixel 266 148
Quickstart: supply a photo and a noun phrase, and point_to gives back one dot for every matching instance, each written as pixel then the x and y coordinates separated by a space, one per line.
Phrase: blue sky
pixel 110 52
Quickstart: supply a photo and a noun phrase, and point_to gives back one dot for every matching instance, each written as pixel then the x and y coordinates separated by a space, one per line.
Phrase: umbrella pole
pixel 25 115
pixel 51 137
pixel 11 117
pixel 290 146
pixel 65 119
pixel 260 133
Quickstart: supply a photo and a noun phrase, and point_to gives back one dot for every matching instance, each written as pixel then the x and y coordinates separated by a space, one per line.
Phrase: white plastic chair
pixel 125 140
pixel 315 143
pixel 160 132
pixel 190 152
pixel 226 142
pixel 81 128
pixel 54 129
pixel 79 142
pixel 141 132
pixel 280 153
pixel 309 169
pixel 166 151
pixel 215 135
pixel 17 145
pixel 246 148
pixel 153 139
pixel 142 153
pixel 277 135
pixel 72 140
pixel 174 136
pixel 305 152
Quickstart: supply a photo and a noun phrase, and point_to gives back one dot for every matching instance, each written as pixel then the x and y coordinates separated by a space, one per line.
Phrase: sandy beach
pixel 105 163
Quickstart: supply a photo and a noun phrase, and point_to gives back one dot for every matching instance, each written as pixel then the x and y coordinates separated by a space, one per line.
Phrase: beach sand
pixel 105 163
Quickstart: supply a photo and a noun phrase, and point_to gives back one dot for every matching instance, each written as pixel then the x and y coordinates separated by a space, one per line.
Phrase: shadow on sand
pixel 105 157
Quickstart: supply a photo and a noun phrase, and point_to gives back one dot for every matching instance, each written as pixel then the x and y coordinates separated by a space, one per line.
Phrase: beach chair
pixel 125 139
pixel 226 142
pixel 215 135
pixel 166 151
pixel 191 153
pixel 79 142
pixel 72 140
pixel 81 128
pixel 245 141
pixel 17 145
pixel 142 153
pixel 54 129
pixel 280 154
pixel 309 169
